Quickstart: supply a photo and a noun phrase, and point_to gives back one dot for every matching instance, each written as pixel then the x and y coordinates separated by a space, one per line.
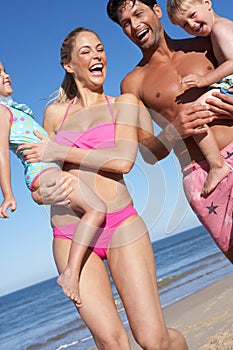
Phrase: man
pixel 156 81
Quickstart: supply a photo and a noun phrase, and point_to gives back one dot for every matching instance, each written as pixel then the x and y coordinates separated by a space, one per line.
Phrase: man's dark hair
pixel 114 5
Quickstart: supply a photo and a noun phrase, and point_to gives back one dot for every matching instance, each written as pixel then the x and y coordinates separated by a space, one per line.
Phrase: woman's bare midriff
pixel 110 188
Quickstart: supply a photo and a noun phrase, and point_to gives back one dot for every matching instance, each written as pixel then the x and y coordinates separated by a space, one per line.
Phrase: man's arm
pixel 151 147
pixel 190 121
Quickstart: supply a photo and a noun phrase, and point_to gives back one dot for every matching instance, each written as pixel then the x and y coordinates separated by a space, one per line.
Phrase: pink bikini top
pixel 100 136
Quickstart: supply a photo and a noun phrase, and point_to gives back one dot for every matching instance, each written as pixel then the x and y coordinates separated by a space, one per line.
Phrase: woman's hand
pixel 9 202
pixel 43 151
pixel 222 105
pixel 54 192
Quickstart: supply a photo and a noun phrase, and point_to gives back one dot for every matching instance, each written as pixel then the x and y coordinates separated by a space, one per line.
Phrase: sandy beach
pixel 205 318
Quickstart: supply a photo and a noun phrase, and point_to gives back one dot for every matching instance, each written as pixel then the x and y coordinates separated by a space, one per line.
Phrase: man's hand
pixel 222 105
pixel 55 192
pixel 192 120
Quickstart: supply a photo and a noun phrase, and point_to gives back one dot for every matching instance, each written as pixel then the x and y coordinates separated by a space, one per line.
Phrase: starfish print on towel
pixel 212 208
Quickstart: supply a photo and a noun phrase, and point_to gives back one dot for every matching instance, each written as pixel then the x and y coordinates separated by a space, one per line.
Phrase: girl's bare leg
pixel 99 310
pixel 133 269
pixel 209 147
pixel 84 199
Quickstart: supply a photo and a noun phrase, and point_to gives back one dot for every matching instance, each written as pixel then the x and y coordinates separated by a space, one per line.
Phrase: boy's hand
pixel 195 80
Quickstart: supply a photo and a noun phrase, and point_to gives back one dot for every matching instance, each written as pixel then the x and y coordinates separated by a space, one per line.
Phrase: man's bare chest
pixel 161 88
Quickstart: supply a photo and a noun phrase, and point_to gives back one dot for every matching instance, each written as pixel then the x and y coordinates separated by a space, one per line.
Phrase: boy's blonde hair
pixel 174 7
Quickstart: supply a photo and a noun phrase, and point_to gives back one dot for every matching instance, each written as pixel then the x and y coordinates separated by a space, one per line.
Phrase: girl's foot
pixel 68 281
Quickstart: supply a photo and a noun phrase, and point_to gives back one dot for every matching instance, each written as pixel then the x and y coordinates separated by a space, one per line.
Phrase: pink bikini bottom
pixel 104 234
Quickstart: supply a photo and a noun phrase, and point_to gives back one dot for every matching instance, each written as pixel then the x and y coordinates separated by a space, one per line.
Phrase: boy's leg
pixel 209 147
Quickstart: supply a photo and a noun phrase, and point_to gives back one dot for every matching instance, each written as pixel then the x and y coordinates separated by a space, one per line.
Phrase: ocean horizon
pixel 41 317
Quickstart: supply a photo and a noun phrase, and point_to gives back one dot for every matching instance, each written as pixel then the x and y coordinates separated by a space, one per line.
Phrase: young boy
pixel 197 18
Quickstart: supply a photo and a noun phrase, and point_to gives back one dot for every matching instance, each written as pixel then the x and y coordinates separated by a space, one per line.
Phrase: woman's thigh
pixel 133 269
pixel 99 310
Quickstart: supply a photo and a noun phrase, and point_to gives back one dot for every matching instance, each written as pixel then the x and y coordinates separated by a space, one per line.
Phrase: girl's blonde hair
pixel 68 89
pixel 174 7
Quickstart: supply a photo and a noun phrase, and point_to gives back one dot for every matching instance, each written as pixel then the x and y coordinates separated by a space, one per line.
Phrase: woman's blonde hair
pixel 68 89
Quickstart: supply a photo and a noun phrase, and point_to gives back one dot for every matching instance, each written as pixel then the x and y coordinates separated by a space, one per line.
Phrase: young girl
pixel 197 18
pixel 17 126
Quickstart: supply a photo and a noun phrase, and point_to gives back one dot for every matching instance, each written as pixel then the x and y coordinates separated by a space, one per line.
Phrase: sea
pixel 41 317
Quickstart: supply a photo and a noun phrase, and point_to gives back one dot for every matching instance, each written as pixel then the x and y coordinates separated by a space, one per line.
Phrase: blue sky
pixel 32 33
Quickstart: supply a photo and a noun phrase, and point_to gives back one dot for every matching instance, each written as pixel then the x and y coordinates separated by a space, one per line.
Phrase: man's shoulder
pixel 198 44
pixel 132 80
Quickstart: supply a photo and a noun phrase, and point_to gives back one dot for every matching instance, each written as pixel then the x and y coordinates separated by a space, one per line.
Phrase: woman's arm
pixel 5 173
pixel 119 159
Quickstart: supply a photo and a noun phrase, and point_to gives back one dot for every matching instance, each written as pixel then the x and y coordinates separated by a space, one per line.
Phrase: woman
pixel 85 117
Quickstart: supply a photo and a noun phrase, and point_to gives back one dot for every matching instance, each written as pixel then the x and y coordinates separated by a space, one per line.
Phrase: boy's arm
pixel 195 80
pixel 5 172
pixel 222 41
pixel 222 35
